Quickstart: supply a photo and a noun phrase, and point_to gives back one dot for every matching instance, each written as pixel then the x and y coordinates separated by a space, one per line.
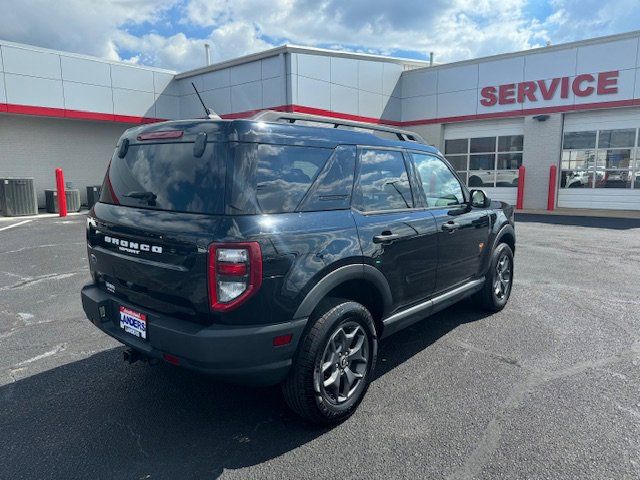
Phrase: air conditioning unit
pixel 93 195
pixel 18 197
pixel 73 200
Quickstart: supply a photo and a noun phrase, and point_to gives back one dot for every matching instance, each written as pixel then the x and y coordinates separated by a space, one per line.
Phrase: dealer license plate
pixel 133 322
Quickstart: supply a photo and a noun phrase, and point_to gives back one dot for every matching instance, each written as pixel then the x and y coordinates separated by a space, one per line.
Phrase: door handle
pixel 385 237
pixel 450 226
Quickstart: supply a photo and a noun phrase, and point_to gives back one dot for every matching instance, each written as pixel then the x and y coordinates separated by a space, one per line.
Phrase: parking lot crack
pixel 497 356
pixel 30 281
pixel 490 440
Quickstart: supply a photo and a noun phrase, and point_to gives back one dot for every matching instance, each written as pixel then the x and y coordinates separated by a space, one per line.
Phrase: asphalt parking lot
pixel 548 388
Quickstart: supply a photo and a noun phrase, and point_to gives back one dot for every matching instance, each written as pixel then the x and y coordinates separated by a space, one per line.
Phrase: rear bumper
pixel 239 354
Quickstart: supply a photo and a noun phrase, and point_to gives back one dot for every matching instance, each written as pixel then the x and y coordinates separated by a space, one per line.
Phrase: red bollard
pixel 551 198
pixel 520 198
pixel 62 195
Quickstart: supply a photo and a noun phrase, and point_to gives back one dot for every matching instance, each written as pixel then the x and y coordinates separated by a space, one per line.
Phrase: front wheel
pixel 333 368
pixel 499 280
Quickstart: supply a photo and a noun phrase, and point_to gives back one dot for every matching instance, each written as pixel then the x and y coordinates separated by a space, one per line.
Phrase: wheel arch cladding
pixel 358 282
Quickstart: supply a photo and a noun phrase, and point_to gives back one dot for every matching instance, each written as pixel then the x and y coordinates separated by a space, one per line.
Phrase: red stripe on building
pixel 84 115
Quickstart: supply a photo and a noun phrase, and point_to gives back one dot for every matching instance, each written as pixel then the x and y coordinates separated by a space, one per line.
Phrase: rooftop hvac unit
pixel 93 195
pixel 18 197
pixel 73 200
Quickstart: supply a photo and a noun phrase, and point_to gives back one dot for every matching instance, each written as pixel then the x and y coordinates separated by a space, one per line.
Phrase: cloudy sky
pixel 171 33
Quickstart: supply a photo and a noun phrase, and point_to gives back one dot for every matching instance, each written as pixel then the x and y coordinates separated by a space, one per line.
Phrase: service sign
pixel 584 85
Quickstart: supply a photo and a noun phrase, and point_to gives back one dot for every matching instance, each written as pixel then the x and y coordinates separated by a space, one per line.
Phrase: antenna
pixel 207 111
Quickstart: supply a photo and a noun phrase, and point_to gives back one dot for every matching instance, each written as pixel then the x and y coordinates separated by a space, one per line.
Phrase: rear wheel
pixel 333 368
pixel 499 280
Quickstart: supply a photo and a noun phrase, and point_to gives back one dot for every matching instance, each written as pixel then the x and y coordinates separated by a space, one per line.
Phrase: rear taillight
pixel 235 274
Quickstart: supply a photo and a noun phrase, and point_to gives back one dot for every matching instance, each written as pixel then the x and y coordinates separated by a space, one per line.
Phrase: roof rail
pixel 284 117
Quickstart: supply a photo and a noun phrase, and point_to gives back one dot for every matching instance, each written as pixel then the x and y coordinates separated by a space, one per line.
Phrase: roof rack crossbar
pixel 275 116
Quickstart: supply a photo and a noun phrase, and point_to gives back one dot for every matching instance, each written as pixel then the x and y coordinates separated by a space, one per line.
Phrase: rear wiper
pixel 150 197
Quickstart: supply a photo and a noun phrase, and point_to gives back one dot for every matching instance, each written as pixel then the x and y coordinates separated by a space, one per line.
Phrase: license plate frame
pixel 134 323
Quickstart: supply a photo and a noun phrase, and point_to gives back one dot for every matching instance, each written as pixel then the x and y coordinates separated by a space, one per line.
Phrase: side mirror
pixel 479 199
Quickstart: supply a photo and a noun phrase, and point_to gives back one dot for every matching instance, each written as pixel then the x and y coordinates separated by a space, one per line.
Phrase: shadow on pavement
pixel 591 222
pixel 101 418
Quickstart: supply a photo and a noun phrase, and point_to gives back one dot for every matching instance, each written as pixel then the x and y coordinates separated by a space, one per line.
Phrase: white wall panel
pixel 314 93
pixel 600 57
pixel 369 104
pixel 370 76
pixel 599 198
pixel 3 95
pixel 292 89
pixel 315 66
pixel 41 92
pixel 246 73
pixel 453 79
pixel 273 94
pixel 556 101
pixel 344 99
pixel 163 83
pixel 190 107
pixel 132 78
pixel 419 82
pixel 219 100
pixel 626 81
pixel 391 108
pixel 500 72
pixel 134 103
pixel 167 107
pixel 213 80
pixel 390 77
pixel 1 60
pixel 183 86
pixel 419 108
pixel 85 71
pixel 89 98
pixel 31 62
pixel 272 67
pixel 557 63
pixel 637 84
pixel 247 96
pixel 344 71
pixel 457 103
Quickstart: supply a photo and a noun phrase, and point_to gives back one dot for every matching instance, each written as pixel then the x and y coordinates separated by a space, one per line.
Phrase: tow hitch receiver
pixel 132 356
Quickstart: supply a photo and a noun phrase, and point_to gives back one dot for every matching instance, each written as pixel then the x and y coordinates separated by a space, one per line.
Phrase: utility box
pixel 18 197
pixel 73 200
pixel 93 195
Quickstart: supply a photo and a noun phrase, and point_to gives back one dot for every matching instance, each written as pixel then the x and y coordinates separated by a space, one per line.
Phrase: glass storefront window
pixel 460 145
pixel 617 138
pixel 510 143
pixel 486 161
pixel 610 165
pixel 483 145
pixel 458 162
pixel 579 140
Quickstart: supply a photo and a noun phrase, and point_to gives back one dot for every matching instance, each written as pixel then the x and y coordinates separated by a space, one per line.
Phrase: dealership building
pixel 575 106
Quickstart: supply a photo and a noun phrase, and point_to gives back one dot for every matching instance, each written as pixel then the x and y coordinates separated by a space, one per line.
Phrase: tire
pixel 336 324
pixel 495 293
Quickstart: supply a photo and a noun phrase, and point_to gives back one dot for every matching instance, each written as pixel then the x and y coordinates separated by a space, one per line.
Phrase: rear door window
pixel 167 176
pixel 383 182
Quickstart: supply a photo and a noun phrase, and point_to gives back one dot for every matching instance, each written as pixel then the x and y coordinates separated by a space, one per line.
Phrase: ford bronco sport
pixel 277 250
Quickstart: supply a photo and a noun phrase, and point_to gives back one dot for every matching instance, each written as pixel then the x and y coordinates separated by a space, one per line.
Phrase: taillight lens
pixel 235 274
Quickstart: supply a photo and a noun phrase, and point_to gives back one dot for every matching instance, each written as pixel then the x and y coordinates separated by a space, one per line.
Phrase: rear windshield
pixel 167 176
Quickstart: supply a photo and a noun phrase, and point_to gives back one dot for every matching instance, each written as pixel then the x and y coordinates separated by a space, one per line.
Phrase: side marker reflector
pixel 282 340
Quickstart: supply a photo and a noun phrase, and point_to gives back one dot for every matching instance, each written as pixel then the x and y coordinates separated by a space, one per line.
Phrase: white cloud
pixel 171 33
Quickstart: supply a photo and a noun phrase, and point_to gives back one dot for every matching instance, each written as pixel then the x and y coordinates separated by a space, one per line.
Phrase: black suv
pixel 282 251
